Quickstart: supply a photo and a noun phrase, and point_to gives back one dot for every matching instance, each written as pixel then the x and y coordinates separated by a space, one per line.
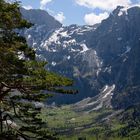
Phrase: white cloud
pixel 43 3
pixel 28 7
pixel 60 17
pixel 107 5
pixel 92 18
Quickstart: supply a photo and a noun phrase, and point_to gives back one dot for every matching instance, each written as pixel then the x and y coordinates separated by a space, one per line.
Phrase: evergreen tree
pixel 24 83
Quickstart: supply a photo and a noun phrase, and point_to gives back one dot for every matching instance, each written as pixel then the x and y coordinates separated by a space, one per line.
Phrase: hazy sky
pixel 78 11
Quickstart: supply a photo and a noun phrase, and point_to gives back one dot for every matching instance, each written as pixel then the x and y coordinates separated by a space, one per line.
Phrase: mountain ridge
pixel 95 57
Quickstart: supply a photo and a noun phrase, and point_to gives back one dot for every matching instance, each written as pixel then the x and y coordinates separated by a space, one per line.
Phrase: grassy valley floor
pixel 104 124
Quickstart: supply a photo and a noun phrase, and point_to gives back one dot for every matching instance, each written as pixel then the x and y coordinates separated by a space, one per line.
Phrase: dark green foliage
pixel 131 118
pixel 24 83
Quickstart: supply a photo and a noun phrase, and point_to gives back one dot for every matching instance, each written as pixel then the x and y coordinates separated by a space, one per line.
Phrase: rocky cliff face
pixel 120 52
pixel 103 59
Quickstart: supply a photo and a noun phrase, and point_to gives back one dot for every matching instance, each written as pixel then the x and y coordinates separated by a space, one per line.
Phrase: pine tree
pixel 24 82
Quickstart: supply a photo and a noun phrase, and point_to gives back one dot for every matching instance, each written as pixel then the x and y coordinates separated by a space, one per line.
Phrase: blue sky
pixel 77 11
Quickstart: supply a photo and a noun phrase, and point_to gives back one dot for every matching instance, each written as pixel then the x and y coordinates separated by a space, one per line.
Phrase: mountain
pixel 103 59
pixel 43 25
pixel 120 49
pixel 40 17
pixel 64 47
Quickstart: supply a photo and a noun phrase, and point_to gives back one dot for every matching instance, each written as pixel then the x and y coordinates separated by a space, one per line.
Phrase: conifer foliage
pixel 24 83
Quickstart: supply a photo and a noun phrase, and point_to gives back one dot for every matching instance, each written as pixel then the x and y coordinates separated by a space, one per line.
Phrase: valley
pixel 70 124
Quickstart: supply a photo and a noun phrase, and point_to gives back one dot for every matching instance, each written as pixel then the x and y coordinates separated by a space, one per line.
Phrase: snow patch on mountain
pixel 29 36
pixel 67 38
pixel 84 48
pixel 95 103
pixel 68 57
pixel 128 49
pixel 108 91
pixel 53 63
